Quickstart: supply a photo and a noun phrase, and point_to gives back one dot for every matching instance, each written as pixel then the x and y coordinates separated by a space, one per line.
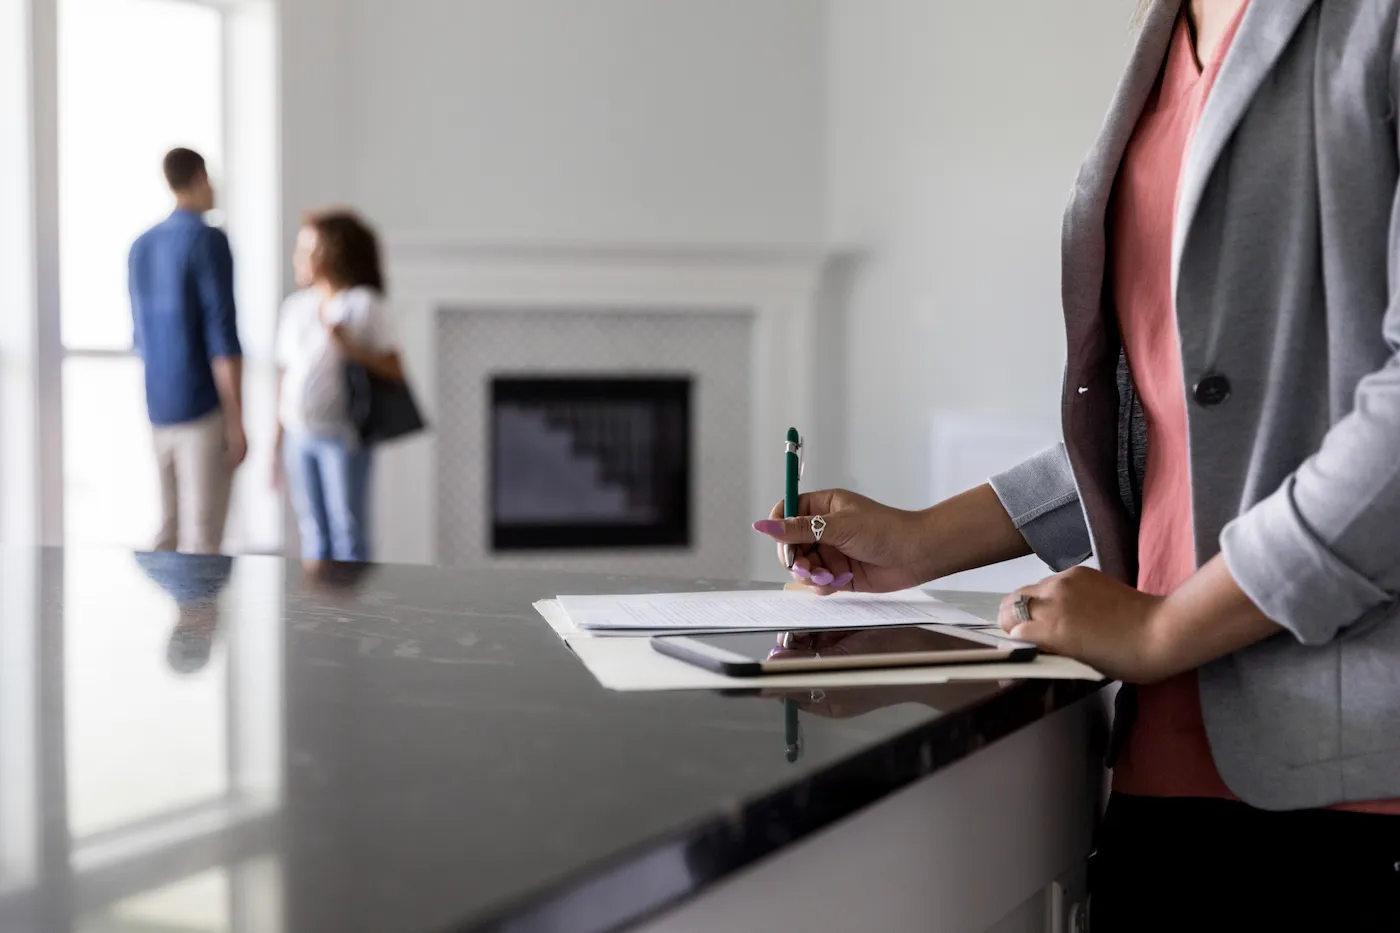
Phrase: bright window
pixel 136 78
pixel 109 477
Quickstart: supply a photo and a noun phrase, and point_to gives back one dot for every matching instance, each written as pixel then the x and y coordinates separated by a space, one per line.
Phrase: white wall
pixel 314 69
pixel 954 133
pixel 613 121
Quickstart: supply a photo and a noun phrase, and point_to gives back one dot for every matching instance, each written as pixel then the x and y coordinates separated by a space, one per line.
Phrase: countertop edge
pixel 624 890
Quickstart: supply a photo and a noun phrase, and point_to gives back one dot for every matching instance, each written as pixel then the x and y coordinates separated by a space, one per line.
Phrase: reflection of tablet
pixel 755 654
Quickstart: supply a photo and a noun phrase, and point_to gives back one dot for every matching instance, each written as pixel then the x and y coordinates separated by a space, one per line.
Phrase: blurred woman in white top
pixel 338 317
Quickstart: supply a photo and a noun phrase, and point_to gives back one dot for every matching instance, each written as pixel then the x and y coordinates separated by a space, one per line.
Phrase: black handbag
pixel 381 409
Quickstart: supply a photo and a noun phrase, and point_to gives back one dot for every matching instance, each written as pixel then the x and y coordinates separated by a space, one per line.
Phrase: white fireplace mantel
pixel 432 276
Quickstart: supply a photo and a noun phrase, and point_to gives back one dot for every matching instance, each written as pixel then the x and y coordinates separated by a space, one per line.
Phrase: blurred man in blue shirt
pixel 181 281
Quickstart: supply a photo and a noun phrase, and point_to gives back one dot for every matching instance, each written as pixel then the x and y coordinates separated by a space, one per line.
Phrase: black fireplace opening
pixel 590 462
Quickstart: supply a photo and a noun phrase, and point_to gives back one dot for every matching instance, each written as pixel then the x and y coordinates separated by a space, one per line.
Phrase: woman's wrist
pixel 968 531
pixel 928 551
pixel 1162 646
pixel 1209 616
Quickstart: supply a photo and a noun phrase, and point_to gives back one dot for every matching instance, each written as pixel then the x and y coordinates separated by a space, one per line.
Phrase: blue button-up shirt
pixel 181 281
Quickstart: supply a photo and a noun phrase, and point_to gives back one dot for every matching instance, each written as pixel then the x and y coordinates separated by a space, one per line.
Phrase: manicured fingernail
pixel 801 573
pixel 822 577
pixel 769 526
pixel 843 580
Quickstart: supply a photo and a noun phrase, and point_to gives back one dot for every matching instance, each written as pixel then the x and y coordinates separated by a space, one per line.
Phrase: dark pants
pixel 1190 864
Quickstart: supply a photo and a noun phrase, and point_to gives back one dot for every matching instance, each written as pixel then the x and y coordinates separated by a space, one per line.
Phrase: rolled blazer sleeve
pixel 1040 496
pixel 1324 549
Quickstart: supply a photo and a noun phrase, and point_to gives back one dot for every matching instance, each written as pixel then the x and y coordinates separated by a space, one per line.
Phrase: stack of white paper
pixel 631 664
pixel 756 610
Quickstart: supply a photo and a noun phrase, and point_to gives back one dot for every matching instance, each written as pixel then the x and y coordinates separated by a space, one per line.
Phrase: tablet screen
pixel 792 646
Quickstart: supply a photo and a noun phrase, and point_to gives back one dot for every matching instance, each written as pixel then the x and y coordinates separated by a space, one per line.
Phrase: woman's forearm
pixel 968 531
pixel 383 365
pixel 1207 617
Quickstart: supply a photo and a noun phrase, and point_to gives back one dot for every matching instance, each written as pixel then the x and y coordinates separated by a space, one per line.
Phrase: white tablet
pixel 758 654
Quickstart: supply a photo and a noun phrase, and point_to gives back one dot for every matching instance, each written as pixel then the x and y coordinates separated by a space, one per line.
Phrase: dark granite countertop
pixel 396 749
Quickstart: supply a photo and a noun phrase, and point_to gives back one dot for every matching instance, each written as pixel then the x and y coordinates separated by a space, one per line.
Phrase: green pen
pixel 792 457
pixel 791 499
pixel 792 730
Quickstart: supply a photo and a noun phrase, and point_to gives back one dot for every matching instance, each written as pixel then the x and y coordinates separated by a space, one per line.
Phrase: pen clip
pixel 800 449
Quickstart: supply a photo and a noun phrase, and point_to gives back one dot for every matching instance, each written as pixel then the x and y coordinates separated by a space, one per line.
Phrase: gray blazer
pixel 1285 272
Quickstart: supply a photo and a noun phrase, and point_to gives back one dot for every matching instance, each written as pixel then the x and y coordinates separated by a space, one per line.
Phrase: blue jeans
pixel 329 482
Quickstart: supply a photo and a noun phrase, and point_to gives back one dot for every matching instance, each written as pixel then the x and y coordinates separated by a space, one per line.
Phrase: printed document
pixel 759 610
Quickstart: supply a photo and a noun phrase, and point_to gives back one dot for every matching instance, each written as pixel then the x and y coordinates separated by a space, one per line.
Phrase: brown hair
pixel 347 251
pixel 182 168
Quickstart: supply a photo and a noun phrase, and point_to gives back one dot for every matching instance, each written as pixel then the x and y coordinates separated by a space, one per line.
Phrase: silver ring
pixel 818 695
pixel 1022 608
pixel 818 526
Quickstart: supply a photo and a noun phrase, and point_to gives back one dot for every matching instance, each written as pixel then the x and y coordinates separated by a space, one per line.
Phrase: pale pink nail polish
pixel 843 581
pixel 822 577
pixel 769 526
pixel 801 574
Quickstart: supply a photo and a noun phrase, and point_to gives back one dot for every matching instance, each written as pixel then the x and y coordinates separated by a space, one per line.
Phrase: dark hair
pixel 347 251
pixel 183 167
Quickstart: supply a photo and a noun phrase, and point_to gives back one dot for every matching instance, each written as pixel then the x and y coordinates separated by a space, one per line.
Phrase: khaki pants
pixel 195 483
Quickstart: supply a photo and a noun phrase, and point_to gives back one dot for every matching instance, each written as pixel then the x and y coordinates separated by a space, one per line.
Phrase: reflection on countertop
pixel 251 744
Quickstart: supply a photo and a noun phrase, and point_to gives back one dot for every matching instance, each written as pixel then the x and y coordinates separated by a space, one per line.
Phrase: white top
pixel 314 396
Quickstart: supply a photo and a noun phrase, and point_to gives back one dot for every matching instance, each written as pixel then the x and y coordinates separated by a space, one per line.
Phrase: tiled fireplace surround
pixel 598 310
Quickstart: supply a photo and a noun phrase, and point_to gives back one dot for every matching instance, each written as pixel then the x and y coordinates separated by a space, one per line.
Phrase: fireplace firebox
pixel 590 461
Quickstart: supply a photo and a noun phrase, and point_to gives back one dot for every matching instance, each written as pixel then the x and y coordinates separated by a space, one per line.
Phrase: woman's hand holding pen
pixel 863 546
pixel 867 547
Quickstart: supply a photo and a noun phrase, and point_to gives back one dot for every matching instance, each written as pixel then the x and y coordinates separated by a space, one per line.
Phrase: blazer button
pixel 1211 391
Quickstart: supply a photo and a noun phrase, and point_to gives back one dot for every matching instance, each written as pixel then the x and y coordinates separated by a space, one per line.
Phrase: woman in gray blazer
pixel 1263 686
